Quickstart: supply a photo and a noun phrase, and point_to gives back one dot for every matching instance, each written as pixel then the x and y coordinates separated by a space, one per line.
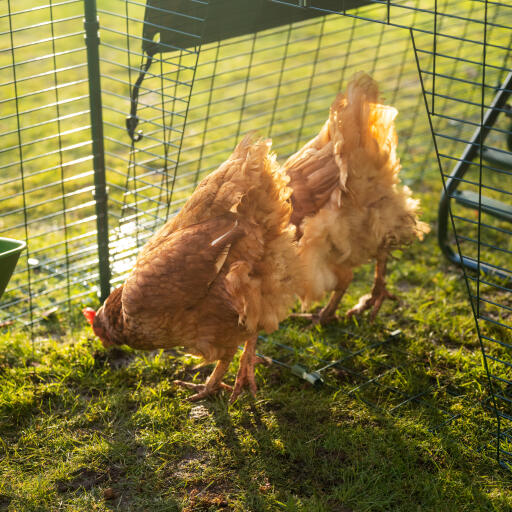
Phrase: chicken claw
pixel 372 300
pixel 379 293
pixel 203 389
pixel 213 385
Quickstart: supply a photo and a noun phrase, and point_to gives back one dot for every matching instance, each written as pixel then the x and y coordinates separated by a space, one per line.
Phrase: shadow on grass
pixel 312 457
pixel 113 433
pixel 317 449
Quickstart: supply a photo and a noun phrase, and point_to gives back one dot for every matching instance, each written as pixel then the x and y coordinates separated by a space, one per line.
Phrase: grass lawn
pixel 86 429
pixel 403 425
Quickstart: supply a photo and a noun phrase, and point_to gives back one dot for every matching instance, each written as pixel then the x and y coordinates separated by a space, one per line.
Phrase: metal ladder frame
pixel 470 199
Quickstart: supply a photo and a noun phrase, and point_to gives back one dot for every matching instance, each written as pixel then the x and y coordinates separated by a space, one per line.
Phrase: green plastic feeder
pixel 10 251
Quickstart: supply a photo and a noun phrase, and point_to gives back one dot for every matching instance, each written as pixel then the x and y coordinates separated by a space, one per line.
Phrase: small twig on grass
pixel 315 438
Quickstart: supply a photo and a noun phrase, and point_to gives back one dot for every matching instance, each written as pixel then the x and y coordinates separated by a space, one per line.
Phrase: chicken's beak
pixel 89 313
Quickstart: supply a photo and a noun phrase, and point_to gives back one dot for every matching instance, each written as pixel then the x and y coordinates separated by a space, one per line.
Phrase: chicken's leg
pixel 379 293
pixel 245 375
pixel 213 384
pixel 328 313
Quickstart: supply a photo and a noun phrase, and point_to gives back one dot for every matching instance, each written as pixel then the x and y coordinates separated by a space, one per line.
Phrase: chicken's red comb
pixel 89 313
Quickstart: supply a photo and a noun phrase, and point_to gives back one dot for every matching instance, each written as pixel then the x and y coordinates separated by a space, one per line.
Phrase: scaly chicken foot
pixel 379 293
pixel 213 384
pixel 327 314
pixel 245 375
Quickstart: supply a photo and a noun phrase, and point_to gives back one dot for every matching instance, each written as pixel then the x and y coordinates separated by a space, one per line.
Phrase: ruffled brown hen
pixel 348 204
pixel 214 275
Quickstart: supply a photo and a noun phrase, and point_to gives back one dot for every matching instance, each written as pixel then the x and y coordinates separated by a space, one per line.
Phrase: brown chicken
pixel 223 269
pixel 348 205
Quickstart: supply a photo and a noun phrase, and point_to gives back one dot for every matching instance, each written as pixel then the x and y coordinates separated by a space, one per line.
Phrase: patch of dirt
pixel 115 357
pixel 200 500
pixel 4 502
pixel 110 494
pixel 86 479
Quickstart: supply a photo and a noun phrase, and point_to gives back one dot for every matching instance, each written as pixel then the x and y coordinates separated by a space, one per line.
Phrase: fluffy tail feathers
pixel 362 128
pixel 366 147
pixel 265 198
pixel 267 276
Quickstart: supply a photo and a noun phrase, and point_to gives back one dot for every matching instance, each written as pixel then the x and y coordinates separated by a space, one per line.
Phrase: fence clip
pixel 131 125
pixel 132 120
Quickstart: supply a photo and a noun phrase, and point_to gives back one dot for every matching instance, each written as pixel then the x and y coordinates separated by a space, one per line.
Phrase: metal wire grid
pixel 463 95
pixel 482 236
pixel 143 178
pixel 278 82
pixel 193 106
pixel 45 156
pixel 369 365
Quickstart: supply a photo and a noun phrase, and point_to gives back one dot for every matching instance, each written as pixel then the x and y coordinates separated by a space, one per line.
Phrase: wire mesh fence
pixel 176 88
pixel 46 158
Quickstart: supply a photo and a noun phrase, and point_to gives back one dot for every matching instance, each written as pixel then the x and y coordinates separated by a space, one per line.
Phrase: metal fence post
pixel 92 40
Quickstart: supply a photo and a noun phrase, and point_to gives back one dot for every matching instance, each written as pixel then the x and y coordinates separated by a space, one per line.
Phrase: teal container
pixel 10 251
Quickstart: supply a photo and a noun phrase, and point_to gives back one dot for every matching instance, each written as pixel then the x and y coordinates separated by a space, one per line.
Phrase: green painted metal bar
pixel 91 25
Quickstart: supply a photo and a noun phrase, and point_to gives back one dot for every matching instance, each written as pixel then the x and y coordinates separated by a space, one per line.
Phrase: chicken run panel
pixel 201 94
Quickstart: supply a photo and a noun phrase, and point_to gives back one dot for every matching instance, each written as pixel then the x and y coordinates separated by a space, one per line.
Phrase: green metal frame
pixel 92 40
pixel 473 200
